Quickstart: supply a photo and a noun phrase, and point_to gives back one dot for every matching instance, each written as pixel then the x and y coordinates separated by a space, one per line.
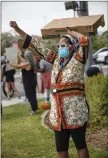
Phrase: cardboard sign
pixel 9 67
pixel 83 24
pixel 11 54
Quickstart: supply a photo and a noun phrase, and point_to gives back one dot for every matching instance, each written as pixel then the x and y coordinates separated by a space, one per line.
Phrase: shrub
pixel 97 95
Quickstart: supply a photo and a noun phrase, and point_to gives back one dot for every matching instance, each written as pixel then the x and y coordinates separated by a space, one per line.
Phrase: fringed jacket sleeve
pixel 39 49
pixel 82 54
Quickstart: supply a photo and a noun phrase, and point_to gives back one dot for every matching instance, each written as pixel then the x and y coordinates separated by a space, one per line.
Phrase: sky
pixel 33 16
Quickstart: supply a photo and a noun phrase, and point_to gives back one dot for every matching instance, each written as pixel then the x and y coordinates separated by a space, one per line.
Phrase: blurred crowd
pixel 29 66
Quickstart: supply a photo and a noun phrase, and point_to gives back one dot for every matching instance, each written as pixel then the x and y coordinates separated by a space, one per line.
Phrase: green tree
pixel 51 44
pixel 105 38
pixel 6 40
pixel 100 41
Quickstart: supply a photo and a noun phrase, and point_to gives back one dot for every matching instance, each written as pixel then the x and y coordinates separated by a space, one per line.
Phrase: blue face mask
pixel 63 52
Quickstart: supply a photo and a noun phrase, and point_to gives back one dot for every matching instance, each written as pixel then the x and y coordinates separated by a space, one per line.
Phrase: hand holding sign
pixel 11 54
pixel 68 30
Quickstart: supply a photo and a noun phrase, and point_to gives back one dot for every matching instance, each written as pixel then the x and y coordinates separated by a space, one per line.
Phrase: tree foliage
pixel 6 40
pixel 100 41
pixel 51 43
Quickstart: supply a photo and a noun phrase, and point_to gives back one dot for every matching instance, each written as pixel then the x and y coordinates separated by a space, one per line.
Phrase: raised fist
pixel 13 24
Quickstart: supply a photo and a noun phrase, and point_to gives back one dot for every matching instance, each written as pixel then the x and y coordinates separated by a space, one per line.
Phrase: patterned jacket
pixel 68 100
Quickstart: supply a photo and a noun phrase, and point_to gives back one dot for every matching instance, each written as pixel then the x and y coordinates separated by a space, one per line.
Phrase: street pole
pixel 89 61
pixel 86 13
pixel 74 13
pixel 44 18
pixel 82 10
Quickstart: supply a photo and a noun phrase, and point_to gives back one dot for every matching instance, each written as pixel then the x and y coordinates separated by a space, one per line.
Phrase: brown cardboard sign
pixel 84 24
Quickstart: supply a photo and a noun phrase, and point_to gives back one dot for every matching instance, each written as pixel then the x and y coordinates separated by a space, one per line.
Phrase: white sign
pixel 9 67
pixel 11 54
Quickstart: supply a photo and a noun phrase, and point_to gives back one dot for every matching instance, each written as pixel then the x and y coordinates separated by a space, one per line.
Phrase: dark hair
pixel 69 41
pixel 91 71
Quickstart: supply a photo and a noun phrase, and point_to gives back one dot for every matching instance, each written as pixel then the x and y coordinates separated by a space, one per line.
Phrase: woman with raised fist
pixel 69 110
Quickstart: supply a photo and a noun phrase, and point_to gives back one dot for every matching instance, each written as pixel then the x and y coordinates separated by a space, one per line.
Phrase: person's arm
pixel 40 70
pixel 42 66
pixel 3 69
pixel 20 66
pixel 83 40
pixel 1 75
pixel 82 54
pixel 14 25
pixel 20 56
pixel 34 43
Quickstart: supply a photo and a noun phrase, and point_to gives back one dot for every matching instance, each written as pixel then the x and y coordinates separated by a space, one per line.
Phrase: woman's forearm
pixel 17 66
pixel 83 40
pixel 21 58
pixel 20 66
pixel 38 48
pixel 15 26
pixel 76 34
pixel 21 32
pixel 40 70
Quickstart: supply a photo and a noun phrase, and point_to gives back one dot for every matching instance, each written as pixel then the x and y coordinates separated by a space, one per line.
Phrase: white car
pixel 94 56
pixel 103 57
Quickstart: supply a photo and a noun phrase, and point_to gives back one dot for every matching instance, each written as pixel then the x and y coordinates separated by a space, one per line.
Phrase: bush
pixel 97 95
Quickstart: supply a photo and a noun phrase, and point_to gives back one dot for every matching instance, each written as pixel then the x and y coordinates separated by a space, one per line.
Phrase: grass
pixel 17 70
pixel 23 136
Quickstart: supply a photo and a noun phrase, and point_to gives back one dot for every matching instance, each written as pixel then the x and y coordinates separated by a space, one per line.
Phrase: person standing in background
pixel 45 80
pixel 94 70
pixel 10 80
pixel 37 61
pixel 28 78
pixel 21 60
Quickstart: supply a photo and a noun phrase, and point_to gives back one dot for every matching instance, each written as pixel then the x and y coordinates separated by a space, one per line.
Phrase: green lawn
pixel 17 70
pixel 23 136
